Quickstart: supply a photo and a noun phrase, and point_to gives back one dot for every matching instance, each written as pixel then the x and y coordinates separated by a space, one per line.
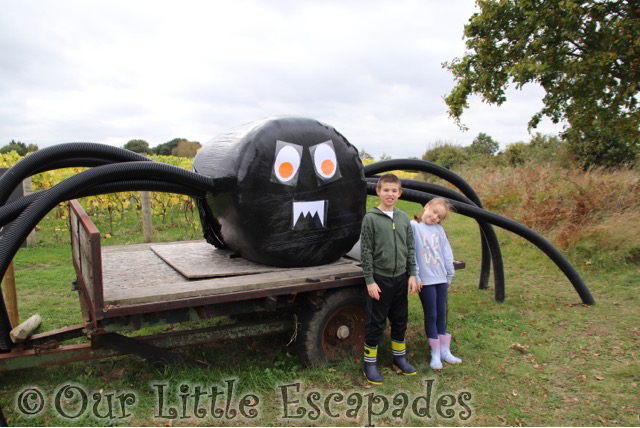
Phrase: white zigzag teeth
pixel 308 208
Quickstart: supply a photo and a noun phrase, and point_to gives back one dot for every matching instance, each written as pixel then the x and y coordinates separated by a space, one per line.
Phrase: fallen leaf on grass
pixel 519 347
pixel 599 378
pixel 582 377
pixel 113 375
pixel 331 370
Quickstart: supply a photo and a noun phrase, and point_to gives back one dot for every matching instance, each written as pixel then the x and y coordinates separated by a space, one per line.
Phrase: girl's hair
pixel 435 201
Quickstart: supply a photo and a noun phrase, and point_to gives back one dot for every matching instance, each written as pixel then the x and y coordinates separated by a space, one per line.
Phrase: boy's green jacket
pixel 386 245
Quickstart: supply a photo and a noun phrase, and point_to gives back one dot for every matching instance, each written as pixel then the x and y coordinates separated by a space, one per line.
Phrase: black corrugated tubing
pixel 17 232
pixel 512 226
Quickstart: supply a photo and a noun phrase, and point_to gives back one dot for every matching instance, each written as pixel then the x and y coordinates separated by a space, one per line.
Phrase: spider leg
pixel 43 203
pixel 63 156
pixel 512 226
pixel 12 210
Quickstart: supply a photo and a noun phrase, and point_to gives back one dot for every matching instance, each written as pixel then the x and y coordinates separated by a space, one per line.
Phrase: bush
pixel 517 153
pixel 446 155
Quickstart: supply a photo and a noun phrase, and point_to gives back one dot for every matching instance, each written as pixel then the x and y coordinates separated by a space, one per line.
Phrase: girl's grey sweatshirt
pixel 434 257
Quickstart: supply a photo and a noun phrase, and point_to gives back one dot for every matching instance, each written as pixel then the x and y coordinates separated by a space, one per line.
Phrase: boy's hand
pixel 374 291
pixel 413 285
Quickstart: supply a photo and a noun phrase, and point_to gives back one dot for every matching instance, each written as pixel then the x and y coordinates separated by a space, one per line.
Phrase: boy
pixel 389 268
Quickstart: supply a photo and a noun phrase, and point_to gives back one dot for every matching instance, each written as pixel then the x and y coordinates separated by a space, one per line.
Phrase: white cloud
pixel 111 71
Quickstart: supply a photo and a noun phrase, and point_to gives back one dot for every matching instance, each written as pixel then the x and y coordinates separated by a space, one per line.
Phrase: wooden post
pixel 147 226
pixel 32 239
pixel 10 295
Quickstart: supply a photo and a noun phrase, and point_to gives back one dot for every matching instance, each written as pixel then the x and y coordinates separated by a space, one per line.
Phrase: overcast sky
pixel 112 71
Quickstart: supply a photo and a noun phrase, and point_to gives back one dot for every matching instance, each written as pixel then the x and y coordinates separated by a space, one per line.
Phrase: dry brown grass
pixel 592 212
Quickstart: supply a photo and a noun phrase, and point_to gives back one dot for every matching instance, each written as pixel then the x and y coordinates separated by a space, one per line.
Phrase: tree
pixel 186 149
pixel 484 145
pixel 138 146
pixel 585 55
pixel 446 155
pixel 165 149
pixel 365 156
pixel 517 153
pixel 16 146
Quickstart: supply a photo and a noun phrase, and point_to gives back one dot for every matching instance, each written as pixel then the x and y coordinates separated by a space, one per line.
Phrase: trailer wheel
pixel 334 329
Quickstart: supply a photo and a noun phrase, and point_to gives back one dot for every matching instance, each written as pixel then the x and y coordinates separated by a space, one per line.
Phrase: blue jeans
pixel 434 305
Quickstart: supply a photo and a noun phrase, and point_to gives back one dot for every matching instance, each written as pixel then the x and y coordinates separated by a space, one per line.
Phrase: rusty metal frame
pixel 52 353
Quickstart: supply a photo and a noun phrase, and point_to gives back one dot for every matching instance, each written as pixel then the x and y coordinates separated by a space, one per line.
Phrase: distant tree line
pixel 180 147
pixel 19 147
pixel 484 150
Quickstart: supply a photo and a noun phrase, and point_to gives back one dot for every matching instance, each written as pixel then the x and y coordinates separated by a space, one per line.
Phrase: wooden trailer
pixel 126 288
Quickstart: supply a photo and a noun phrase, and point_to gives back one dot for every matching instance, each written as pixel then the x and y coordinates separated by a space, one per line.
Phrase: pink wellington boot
pixel 435 364
pixel 445 351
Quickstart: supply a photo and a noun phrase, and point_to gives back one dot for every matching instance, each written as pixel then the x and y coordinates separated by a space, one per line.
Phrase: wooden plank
pixel 89 266
pixel 96 274
pixel 208 287
pixel 202 260
pixel 75 248
pixel 86 270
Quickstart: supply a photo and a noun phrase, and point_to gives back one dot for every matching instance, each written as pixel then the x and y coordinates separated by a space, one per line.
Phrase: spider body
pixel 292 192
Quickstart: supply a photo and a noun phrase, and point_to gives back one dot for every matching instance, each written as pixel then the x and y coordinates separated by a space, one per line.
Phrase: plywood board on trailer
pixel 202 260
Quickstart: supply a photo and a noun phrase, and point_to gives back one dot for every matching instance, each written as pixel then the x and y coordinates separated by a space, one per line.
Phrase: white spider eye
pixel 324 160
pixel 287 163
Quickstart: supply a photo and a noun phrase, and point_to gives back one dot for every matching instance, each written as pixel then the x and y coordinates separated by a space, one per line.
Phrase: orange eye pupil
pixel 286 169
pixel 327 167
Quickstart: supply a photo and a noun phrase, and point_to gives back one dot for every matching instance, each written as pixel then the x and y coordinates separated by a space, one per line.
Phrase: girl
pixel 434 271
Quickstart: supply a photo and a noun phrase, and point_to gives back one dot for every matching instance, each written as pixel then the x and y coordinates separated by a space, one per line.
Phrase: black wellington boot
pixel 370 365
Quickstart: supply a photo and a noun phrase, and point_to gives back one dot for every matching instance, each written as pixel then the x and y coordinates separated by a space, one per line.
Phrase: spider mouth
pixel 309 215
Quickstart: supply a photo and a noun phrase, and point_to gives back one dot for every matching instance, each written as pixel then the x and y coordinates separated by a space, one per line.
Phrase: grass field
pixel 539 358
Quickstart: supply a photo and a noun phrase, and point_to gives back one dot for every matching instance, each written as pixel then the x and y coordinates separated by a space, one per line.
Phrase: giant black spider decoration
pixel 285 191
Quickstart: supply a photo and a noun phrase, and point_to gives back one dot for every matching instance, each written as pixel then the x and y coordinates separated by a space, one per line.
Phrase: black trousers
pixel 393 304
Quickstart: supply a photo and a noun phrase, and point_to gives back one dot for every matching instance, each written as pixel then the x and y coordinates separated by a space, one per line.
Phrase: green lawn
pixel 539 358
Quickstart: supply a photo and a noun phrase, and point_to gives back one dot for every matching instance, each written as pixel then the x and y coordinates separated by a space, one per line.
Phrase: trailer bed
pixel 152 273
pixel 146 278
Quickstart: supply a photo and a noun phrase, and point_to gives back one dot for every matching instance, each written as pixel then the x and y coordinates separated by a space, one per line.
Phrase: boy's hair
pixel 436 201
pixel 388 178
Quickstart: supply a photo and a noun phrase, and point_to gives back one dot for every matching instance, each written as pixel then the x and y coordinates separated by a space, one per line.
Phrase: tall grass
pixel 594 213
